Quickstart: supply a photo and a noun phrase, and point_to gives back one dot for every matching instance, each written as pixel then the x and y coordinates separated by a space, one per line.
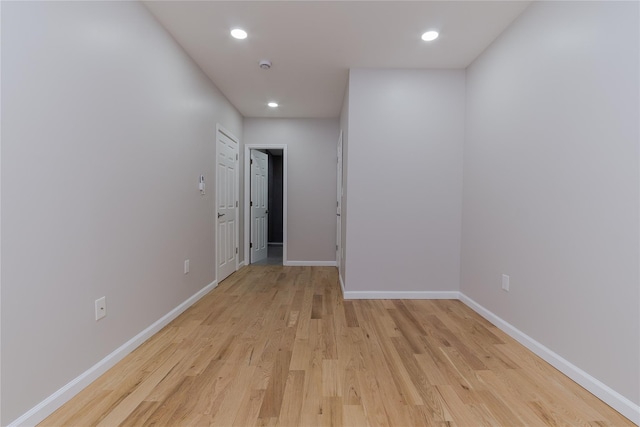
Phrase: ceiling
pixel 313 44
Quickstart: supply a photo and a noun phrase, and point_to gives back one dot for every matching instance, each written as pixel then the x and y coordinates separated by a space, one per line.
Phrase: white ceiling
pixel 313 44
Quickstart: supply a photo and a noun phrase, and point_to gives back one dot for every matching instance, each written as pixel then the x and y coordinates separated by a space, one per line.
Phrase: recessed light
pixel 430 36
pixel 273 104
pixel 239 34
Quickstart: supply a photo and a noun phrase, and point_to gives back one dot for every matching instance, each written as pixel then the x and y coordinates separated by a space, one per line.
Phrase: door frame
pixel 339 211
pixel 247 197
pixel 221 129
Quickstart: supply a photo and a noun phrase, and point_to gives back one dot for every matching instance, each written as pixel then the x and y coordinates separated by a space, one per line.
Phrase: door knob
pixel 219 215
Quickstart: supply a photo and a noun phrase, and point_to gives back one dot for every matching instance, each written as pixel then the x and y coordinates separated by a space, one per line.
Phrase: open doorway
pixel 275 182
pixel 265 204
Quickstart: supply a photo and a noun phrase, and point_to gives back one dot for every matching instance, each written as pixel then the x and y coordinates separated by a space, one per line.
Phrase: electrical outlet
pixel 505 282
pixel 101 308
pixel 186 266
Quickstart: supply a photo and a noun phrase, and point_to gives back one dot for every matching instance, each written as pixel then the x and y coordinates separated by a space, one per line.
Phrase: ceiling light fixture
pixel 239 33
pixel 265 64
pixel 273 104
pixel 430 36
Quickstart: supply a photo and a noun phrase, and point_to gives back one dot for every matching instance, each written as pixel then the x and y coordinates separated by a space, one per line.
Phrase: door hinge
pixel 251 203
pixel 236 250
pixel 251 245
pixel 251 162
pixel 336 248
pixel 337 203
pixel 236 203
pixel 236 157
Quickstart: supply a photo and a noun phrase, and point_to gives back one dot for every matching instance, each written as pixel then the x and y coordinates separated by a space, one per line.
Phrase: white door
pixel 339 205
pixel 259 205
pixel 226 205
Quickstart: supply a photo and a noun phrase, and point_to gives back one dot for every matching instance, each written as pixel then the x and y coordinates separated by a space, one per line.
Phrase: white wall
pixel 406 131
pixel 551 184
pixel 311 150
pixel 106 126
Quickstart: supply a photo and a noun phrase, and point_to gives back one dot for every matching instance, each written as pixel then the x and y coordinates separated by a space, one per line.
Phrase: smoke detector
pixel 265 64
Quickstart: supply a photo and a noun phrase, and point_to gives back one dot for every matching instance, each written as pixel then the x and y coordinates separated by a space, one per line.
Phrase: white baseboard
pixel 401 295
pixel 593 385
pixel 310 263
pixel 240 265
pixel 274 243
pixel 63 395
pixel 341 284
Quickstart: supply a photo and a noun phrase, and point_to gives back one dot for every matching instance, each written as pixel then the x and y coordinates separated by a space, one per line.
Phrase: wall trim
pixel 401 295
pixel 49 405
pixel 603 392
pixel 341 285
pixel 221 130
pixel 310 263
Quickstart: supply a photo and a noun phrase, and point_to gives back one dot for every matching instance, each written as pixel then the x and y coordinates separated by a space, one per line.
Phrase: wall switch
pixel 201 184
pixel 505 282
pixel 186 266
pixel 101 308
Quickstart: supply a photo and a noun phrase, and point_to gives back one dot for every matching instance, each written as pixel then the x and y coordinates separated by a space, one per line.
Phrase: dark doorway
pixel 275 208
pixel 275 197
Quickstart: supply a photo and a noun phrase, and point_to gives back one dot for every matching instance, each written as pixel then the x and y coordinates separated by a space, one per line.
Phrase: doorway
pixel 265 204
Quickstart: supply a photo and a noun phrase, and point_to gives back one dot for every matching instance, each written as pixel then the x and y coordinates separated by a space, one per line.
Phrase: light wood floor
pixel 277 345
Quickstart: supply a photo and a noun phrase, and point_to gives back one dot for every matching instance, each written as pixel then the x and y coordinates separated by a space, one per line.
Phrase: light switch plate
pixel 505 282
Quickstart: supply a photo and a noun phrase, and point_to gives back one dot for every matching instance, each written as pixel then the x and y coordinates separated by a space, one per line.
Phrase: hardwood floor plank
pixel 350 315
pixel 331 379
pixel 173 401
pixel 462 414
pixel 140 415
pixel 430 399
pixel 127 405
pixel 398 370
pixel 300 355
pixel 351 392
pixel 98 402
pixel 510 395
pixel 332 412
pixel 278 346
pixel 353 415
pixel 312 398
pixel 227 411
pixel 316 308
pixel 372 402
pixel 274 393
pixel 329 345
pixel 249 408
pixel 292 400
pixel 409 330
